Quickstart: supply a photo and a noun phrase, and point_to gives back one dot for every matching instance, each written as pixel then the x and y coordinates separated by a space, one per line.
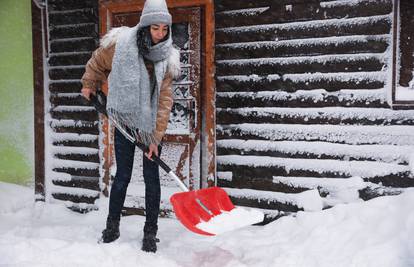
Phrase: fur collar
pixel 174 68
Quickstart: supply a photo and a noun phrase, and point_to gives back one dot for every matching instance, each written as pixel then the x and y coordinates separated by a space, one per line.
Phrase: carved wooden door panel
pixel 181 146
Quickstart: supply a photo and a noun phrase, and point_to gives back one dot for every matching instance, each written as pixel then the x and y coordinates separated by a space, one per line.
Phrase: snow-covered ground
pixel 376 233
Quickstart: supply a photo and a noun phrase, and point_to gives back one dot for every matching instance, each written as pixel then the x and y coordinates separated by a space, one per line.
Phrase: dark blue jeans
pixel 124 155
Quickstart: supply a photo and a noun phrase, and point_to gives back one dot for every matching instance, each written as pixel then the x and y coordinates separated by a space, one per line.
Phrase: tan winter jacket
pixel 99 66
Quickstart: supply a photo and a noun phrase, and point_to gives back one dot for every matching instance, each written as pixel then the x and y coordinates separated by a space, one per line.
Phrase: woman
pixel 140 64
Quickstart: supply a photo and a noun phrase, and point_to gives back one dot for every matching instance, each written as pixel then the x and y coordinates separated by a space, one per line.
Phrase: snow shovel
pixel 206 211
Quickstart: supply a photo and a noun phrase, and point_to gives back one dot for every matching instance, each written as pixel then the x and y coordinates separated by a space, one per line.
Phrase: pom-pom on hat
pixel 155 12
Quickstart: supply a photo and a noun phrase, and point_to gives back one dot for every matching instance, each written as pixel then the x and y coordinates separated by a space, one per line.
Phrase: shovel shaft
pixel 102 109
pixel 178 181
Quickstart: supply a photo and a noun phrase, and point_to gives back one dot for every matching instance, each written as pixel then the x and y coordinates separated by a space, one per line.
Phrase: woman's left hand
pixel 153 149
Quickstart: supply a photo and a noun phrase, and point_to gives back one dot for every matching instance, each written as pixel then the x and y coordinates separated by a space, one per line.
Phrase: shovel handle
pixel 99 102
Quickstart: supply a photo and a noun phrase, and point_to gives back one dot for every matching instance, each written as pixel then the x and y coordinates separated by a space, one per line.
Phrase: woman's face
pixel 158 32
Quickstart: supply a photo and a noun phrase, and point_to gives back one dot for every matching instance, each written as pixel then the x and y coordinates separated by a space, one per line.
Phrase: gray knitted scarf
pixel 132 102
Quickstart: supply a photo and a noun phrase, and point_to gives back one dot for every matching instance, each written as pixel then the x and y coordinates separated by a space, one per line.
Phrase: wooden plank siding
pixel 73 36
pixel 38 43
pixel 302 103
pixel 302 109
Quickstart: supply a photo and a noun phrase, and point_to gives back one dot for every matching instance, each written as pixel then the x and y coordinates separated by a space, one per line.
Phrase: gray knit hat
pixel 155 12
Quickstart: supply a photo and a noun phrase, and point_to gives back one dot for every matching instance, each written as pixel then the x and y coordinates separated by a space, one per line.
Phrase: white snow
pixel 62 137
pixel 71 123
pixel 73 150
pixel 54 189
pixel 384 135
pixel 245 12
pixel 65 163
pixel 335 4
pixel 316 95
pixel 404 93
pixel 412 162
pixel 73 108
pixel 311 25
pixel 228 176
pixel 14 198
pixel 231 220
pixel 376 233
pixel 348 168
pixel 309 200
pixel 306 42
pixel 341 190
pixel 354 77
pixel 385 153
pixel 70 66
pixel 319 59
pixel 321 113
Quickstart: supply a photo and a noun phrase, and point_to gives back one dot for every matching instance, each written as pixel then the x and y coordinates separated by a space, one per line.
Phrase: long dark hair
pixel 144 40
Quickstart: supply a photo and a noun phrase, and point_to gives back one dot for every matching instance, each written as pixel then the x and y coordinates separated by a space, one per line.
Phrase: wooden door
pixel 181 145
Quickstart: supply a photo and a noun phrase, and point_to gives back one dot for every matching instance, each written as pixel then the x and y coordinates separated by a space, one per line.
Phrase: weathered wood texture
pixel 407 42
pixel 73 35
pixel 38 15
pixel 301 101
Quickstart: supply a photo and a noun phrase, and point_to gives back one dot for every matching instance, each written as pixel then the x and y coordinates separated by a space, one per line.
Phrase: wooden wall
pixel 302 108
pixel 74 141
pixel 303 120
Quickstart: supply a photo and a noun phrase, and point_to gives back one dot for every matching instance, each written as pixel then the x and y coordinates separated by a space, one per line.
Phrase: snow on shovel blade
pixel 210 211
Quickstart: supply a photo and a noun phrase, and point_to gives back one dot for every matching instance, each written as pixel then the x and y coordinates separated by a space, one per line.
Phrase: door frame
pixel 39 50
pixel 207 70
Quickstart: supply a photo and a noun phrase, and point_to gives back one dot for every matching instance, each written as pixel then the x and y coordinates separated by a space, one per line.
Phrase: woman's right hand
pixel 86 92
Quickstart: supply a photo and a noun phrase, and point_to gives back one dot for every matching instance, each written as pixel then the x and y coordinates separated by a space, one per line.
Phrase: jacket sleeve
pixel 165 104
pixel 98 67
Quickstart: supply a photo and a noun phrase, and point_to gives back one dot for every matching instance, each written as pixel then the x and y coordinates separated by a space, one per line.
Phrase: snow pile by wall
pixel 15 197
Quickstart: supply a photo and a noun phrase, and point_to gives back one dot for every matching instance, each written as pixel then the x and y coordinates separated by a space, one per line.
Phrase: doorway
pixel 184 142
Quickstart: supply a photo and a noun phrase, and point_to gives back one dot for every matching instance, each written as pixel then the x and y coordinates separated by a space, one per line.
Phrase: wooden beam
pixel 402 53
pixel 38 94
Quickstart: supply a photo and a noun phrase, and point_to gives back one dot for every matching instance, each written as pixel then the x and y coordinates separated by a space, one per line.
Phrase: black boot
pixel 111 233
pixel 149 241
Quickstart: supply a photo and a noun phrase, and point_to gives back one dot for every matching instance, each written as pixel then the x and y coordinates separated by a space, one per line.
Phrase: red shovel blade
pixel 196 206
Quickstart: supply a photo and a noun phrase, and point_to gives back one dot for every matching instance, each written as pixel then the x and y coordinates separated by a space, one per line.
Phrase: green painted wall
pixel 16 92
